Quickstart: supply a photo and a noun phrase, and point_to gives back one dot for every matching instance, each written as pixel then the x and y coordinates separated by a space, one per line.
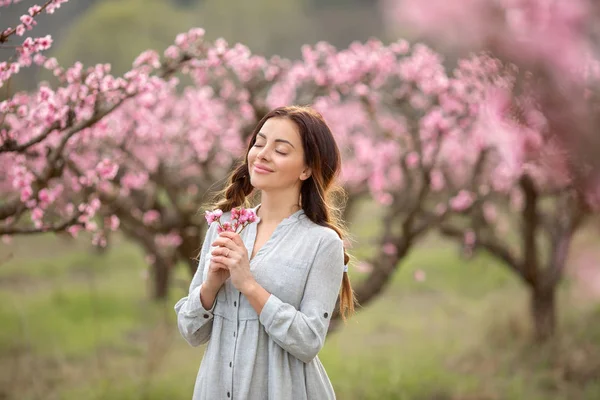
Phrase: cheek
pixel 251 156
pixel 291 169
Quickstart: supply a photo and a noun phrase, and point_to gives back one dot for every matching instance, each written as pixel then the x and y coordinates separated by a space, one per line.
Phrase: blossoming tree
pixel 547 120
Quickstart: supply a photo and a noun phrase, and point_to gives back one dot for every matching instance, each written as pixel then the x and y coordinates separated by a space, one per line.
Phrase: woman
pixel 263 299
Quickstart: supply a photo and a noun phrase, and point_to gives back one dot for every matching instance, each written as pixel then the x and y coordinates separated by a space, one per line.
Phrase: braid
pixel 237 189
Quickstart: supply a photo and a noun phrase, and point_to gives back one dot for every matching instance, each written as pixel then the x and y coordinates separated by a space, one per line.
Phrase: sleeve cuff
pixel 269 310
pixel 195 305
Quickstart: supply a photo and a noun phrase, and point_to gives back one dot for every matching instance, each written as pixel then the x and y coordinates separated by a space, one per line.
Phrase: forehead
pixel 280 128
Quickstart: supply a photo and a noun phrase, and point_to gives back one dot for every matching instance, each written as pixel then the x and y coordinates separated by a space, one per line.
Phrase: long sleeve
pixel 194 321
pixel 301 332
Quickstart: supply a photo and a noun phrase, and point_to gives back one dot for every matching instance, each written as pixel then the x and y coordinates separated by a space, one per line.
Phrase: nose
pixel 263 153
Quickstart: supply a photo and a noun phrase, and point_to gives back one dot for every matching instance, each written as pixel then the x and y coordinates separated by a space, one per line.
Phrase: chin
pixel 256 183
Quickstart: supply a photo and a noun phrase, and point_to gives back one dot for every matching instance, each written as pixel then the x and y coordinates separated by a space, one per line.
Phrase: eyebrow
pixel 276 140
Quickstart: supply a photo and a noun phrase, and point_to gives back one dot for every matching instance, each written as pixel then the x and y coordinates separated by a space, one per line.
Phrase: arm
pixel 193 320
pixel 301 332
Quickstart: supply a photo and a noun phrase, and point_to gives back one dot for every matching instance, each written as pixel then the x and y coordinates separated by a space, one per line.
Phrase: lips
pixel 261 168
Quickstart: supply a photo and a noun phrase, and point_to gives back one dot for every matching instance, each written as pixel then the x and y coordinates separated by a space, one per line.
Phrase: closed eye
pixel 276 151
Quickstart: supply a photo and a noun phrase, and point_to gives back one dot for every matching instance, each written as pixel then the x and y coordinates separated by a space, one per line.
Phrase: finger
pixel 225 242
pixel 233 236
pixel 226 261
pixel 214 265
pixel 221 251
pixel 221 241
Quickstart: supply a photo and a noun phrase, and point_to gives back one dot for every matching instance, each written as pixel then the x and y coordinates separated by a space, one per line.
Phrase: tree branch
pixel 494 247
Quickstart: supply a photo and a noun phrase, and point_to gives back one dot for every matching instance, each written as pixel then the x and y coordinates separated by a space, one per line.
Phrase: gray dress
pixel 272 355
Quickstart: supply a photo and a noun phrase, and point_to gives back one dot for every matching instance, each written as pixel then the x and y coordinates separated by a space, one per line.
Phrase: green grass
pixel 80 325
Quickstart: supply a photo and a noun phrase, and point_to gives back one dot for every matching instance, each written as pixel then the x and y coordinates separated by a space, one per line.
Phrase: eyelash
pixel 276 151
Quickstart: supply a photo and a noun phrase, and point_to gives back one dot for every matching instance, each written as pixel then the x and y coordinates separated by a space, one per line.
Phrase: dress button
pixel 325 315
pixel 233 334
pixel 235 303
pixel 230 364
pixel 206 315
pixel 228 394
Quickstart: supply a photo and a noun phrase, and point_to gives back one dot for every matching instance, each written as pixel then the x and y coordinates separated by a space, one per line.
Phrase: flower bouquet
pixel 240 217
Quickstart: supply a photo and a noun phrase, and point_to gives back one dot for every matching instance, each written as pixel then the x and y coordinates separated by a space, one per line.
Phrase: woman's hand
pixel 216 276
pixel 233 255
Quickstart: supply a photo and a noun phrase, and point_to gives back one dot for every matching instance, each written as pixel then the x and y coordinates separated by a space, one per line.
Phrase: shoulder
pixel 324 235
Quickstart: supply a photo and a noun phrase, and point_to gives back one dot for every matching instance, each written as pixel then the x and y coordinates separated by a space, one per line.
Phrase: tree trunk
pixel 189 249
pixel 160 280
pixel 543 312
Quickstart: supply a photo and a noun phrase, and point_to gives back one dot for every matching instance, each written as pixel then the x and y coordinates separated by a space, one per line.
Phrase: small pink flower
pixel 150 217
pixel 114 223
pixel 34 9
pixel 419 275
pixel 390 249
pixel 462 200
pixel 251 216
pixel 470 238
pixel 412 160
pixel 26 193
pixel 44 196
pixel 212 216
pixel 74 230
pixel 106 169
pixel 225 227
pixel 99 240
pixel 364 267
pixel 37 214
pixel 490 213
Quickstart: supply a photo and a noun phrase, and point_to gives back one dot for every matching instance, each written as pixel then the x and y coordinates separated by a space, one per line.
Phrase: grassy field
pixel 76 324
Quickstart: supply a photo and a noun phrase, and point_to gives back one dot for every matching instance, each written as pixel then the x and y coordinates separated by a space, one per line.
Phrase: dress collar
pixel 288 220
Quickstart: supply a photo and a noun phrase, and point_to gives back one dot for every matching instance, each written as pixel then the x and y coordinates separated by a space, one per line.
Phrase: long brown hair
pixel 321 196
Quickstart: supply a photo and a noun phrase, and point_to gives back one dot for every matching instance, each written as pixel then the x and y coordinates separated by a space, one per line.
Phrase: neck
pixel 274 207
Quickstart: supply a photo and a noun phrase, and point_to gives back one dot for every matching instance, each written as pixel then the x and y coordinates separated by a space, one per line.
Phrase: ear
pixel 306 174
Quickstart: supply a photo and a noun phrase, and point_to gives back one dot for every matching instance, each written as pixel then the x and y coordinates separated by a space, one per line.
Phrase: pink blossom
pixel 150 217
pixel 235 213
pixel 469 238
pixel 54 5
pixel 212 216
pixel 106 169
pixel 28 21
pixel 490 213
pixel 37 214
pixel 225 227
pixel 26 193
pixel 412 160
pixel 364 267
pixel 437 180
pixel 74 230
pixel 34 10
pixel 462 200
pixel 419 275
pixel 99 240
pixel 169 240
pixel 114 223
pixel 390 249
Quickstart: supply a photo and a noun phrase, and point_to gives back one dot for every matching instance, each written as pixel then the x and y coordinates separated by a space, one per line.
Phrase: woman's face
pixel 276 161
